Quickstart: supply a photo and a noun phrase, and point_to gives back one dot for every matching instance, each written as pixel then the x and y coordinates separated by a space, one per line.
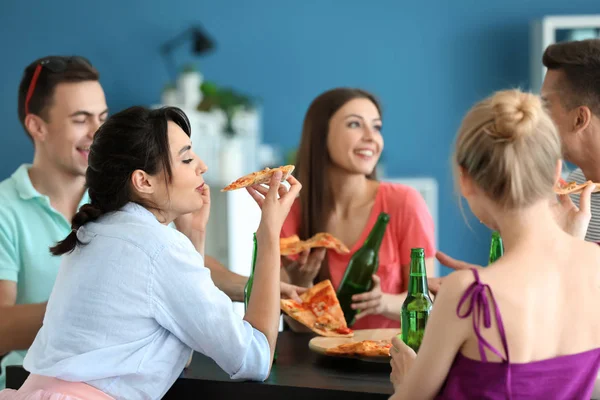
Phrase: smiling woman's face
pixel 354 141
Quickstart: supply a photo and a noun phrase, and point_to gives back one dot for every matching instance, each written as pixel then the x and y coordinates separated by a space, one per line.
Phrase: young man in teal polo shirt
pixel 61 104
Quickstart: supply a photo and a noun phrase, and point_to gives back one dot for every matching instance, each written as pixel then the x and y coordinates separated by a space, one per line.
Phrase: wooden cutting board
pixel 320 344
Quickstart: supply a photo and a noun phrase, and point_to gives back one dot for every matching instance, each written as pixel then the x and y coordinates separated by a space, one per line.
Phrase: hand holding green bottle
pixel 371 302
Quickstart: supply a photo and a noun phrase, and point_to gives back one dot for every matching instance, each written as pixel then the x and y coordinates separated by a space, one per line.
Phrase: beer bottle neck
pixel 417 281
pixel 375 237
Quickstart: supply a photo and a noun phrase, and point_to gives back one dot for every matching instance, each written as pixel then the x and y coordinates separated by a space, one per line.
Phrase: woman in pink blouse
pixel 340 146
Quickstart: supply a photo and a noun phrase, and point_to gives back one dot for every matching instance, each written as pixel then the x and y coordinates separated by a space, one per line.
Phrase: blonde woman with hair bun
pixel 526 326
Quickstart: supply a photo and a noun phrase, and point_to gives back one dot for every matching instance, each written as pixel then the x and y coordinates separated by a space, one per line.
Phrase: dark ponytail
pixel 135 138
pixel 87 213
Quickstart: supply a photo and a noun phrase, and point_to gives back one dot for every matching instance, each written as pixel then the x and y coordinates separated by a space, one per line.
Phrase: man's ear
pixel 581 118
pixel 36 127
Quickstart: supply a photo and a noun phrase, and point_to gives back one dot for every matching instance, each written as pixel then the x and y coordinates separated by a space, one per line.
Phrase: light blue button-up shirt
pixel 129 306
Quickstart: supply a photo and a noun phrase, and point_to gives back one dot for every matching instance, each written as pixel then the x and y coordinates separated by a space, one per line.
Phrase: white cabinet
pixel 553 29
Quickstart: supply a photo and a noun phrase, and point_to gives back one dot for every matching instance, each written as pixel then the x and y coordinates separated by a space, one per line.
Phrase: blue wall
pixel 427 62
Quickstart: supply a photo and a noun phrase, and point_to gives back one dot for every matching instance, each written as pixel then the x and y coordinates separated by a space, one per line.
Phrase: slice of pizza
pixel 289 240
pixel 563 187
pixel 365 348
pixel 329 241
pixel 293 245
pixel 319 311
pixel 376 348
pixel 259 177
pixel 345 349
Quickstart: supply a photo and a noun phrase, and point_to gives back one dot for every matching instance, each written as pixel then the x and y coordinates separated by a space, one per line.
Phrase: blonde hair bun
pixel 516 114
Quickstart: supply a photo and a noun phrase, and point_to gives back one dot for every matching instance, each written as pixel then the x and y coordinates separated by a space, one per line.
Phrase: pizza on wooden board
pixel 319 311
pixel 259 177
pixel 563 187
pixel 293 245
pixel 365 348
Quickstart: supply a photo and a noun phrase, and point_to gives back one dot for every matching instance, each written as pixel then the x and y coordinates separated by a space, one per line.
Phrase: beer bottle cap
pixel 417 251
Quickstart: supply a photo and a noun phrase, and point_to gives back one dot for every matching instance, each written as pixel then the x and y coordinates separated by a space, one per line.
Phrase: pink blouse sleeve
pixel 416 226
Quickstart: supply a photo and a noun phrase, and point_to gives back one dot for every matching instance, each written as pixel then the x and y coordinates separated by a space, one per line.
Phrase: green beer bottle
pixel 417 306
pixel 496 248
pixel 363 264
pixel 248 287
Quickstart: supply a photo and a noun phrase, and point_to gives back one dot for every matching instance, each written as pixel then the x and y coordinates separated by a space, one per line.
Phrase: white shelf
pixel 543 34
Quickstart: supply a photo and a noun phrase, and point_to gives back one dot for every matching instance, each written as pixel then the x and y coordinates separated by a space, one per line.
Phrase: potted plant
pixel 225 99
pixel 231 104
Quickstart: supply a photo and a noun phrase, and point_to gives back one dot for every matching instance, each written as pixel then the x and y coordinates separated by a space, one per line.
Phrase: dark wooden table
pixel 298 374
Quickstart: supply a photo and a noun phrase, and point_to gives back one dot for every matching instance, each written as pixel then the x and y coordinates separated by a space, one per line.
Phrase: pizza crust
pixel 259 177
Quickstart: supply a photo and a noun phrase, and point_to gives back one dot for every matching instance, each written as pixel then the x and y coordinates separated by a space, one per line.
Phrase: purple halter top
pixel 565 377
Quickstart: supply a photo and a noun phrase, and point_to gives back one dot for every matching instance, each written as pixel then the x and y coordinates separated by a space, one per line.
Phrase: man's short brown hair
pixel 52 70
pixel 580 63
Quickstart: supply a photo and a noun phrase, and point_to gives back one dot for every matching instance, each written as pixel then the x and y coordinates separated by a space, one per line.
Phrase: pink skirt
pixel 38 387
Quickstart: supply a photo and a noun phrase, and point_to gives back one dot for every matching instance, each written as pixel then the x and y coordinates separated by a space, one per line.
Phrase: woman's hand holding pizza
pixel 572 219
pixel 275 201
pixel 305 268
pixel 291 292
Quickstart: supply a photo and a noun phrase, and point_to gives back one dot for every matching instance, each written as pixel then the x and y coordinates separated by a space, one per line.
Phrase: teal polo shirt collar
pixel 27 191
